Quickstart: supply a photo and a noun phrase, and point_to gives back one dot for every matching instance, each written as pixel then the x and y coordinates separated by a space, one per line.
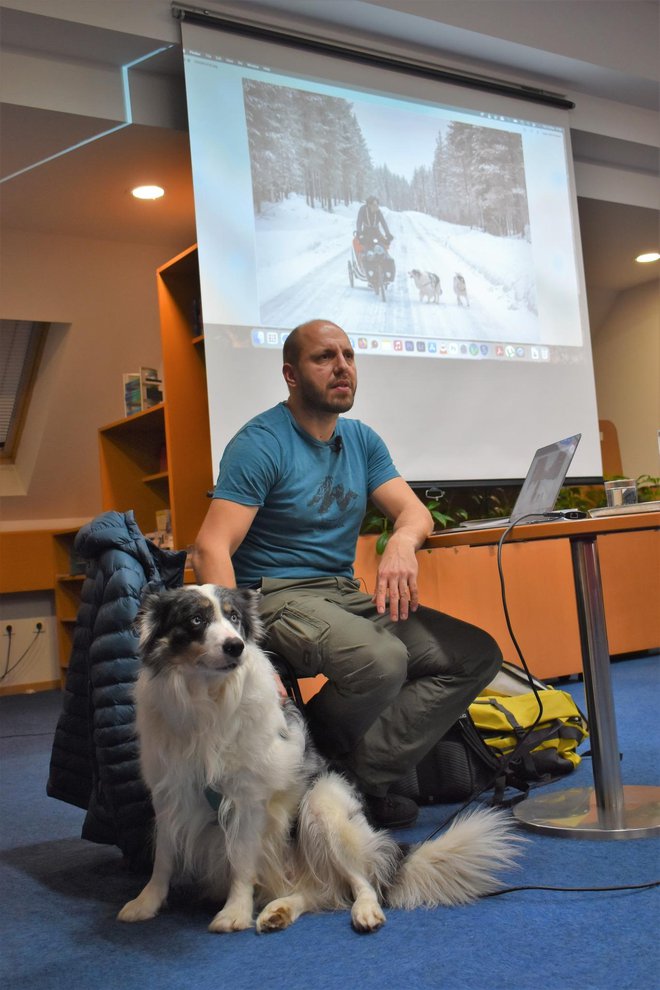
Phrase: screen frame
pixel 515 91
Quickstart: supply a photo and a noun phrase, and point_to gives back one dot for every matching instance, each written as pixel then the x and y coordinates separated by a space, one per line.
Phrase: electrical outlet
pixel 24 627
pixel 30 649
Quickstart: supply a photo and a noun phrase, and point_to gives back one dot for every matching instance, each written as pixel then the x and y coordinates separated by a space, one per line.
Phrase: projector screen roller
pixel 464 298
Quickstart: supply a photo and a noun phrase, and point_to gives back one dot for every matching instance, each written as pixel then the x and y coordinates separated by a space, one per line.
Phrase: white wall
pixel 102 296
pixel 626 353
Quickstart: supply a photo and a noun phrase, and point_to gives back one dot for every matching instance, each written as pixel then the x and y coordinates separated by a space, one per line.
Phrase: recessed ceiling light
pixel 649 256
pixel 148 192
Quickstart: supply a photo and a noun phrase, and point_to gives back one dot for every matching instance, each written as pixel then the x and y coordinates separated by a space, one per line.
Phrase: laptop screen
pixel 545 477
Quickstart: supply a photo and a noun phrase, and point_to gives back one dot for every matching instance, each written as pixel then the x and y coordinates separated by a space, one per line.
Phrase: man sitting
pixel 288 504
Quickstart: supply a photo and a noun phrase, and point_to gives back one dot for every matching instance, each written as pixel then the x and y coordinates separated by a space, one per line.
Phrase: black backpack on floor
pixel 515 756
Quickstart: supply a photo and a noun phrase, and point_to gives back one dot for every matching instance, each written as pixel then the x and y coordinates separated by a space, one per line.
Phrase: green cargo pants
pixel 393 689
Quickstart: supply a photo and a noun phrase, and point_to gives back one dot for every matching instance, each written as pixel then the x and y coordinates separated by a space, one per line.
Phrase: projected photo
pixel 461 287
pixel 397 217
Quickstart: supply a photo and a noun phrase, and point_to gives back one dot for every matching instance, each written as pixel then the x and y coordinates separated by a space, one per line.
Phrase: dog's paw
pixel 367 915
pixel 232 920
pixel 140 909
pixel 275 916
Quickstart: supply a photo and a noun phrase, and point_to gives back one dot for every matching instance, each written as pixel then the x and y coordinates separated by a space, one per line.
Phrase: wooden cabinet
pixel 134 471
pixel 161 458
pixel 156 459
pixel 630 571
pixel 43 560
pixel 188 437
pixel 25 561
pixel 464 582
pixel 68 581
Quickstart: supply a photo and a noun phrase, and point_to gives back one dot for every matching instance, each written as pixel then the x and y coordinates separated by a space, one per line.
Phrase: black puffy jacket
pixel 95 759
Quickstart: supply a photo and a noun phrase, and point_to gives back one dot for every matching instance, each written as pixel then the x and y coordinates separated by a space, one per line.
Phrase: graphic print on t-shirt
pixel 326 494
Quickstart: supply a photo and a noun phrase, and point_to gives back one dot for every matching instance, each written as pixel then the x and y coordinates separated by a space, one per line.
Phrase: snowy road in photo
pixel 303 262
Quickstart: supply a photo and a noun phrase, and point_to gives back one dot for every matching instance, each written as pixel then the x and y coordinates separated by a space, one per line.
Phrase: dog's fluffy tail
pixel 460 866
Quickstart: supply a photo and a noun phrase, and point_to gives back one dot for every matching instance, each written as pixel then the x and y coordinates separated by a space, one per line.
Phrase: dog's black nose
pixel 233 647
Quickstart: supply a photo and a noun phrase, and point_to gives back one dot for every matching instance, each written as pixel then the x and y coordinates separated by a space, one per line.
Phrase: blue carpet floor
pixel 60 896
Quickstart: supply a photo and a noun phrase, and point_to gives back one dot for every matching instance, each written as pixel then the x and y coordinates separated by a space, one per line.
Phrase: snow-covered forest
pixel 461 206
pixel 312 145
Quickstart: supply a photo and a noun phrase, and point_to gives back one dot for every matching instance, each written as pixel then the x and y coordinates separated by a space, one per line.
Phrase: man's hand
pixel 396 581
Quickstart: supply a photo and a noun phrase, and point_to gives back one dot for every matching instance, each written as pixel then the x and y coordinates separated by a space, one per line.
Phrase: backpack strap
pixel 503 776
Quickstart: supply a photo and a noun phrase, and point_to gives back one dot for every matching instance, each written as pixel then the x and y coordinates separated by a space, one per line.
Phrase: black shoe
pixel 391 811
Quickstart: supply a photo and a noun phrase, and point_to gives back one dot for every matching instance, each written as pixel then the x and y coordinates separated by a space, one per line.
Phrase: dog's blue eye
pixel 196 620
pixel 235 618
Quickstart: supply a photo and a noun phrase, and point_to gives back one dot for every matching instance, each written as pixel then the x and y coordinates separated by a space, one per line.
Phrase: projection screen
pixel 464 369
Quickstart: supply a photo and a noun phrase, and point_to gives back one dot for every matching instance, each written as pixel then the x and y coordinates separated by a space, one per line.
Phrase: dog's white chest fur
pixel 232 737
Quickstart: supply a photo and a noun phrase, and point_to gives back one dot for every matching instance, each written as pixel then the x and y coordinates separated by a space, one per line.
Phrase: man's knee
pixel 442 644
pixel 362 682
pixel 377 669
pixel 485 656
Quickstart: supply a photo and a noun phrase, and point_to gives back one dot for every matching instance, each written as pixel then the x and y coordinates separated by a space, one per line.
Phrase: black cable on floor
pixel 574 890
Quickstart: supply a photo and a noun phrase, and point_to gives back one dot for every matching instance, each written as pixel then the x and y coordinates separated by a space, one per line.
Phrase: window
pixel 21 345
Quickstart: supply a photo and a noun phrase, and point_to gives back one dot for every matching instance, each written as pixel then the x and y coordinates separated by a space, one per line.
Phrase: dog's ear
pixel 148 620
pixel 252 624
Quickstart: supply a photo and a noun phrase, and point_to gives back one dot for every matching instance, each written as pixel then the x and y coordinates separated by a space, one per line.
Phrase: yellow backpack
pixel 551 746
pixel 476 753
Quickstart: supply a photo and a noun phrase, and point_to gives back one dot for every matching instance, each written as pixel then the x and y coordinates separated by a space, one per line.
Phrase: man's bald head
pixel 312 331
pixel 319 370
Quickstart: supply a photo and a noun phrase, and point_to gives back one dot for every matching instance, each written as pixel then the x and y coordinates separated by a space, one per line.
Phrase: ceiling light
pixel 650 256
pixel 148 192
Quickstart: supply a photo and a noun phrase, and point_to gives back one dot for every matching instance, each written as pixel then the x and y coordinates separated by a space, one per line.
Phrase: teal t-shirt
pixel 311 497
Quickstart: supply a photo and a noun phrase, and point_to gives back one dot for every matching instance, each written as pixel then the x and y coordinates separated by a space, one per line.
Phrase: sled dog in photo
pixel 247 810
pixel 460 290
pixel 428 285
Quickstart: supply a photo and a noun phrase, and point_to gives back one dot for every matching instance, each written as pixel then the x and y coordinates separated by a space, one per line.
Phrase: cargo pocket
pixel 301 638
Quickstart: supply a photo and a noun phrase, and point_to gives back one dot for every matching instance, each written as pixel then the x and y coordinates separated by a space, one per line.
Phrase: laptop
pixel 540 488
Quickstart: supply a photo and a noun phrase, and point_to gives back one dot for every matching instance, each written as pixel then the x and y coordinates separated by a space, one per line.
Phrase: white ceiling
pixel 70 172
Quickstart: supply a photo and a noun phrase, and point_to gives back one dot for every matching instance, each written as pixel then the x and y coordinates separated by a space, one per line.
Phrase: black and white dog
pixel 244 805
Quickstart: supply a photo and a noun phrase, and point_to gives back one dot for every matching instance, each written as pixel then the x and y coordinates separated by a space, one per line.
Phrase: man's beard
pixel 318 400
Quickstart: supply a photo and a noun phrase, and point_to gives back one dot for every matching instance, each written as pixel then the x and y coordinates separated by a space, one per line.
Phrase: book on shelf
pixel 163 521
pixel 142 390
pixel 77 565
pixel 162 535
pixel 151 387
pixel 132 394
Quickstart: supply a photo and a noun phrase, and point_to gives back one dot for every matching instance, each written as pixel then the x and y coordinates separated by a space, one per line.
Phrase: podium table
pixel 609 810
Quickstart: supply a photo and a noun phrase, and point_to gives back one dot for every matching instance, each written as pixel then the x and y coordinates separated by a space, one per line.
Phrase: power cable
pixel 7 671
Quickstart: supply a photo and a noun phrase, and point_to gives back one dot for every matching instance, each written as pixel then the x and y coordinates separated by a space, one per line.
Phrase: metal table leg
pixel 609 810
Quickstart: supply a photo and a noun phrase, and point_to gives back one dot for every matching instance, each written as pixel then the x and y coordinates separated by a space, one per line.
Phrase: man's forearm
pixel 415 525
pixel 213 567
